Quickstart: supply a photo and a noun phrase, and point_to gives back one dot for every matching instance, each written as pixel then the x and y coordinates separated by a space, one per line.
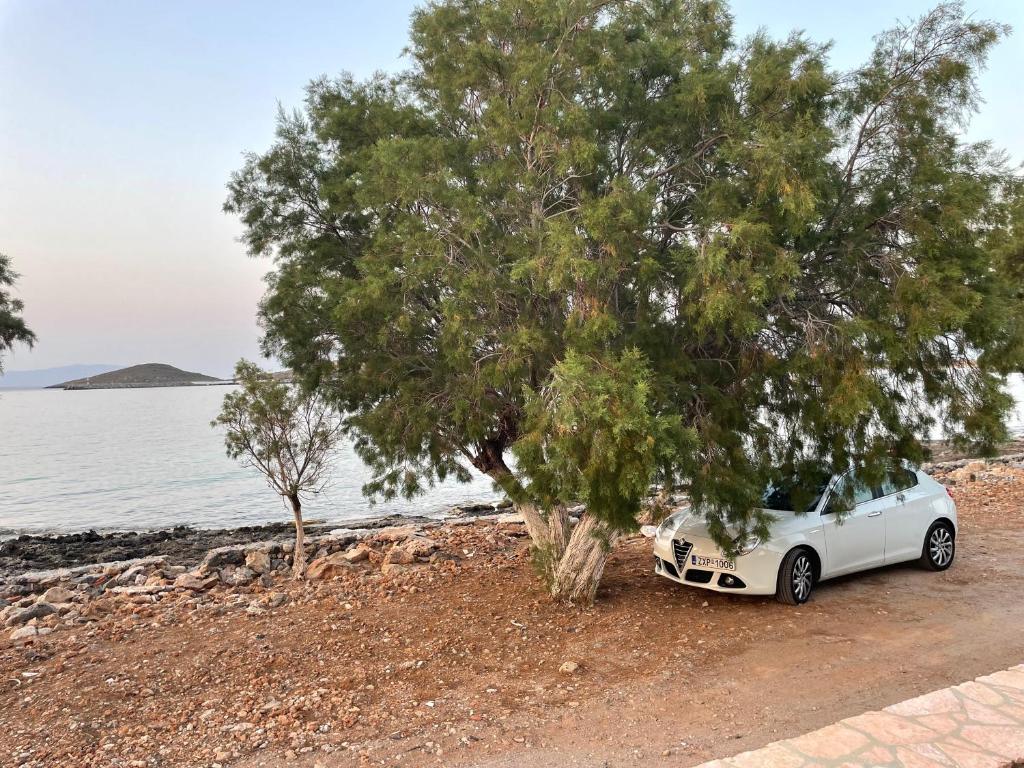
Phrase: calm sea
pixel 135 459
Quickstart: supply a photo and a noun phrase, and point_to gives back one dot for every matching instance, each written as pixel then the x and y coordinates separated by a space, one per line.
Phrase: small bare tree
pixel 287 435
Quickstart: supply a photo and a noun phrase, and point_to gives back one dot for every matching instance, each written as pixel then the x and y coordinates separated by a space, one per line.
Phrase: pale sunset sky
pixel 121 121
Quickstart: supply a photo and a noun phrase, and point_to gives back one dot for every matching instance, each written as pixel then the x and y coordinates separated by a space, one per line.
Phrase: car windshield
pixel 803 493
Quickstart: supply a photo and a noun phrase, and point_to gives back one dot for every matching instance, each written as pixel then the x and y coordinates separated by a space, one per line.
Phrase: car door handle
pixel 901 497
pixel 874 514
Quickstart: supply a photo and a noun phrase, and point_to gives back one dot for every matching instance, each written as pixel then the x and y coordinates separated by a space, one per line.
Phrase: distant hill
pixel 146 375
pixel 47 377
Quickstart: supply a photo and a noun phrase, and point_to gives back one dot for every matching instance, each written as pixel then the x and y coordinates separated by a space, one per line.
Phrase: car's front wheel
pixel 796 578
pixel 939 546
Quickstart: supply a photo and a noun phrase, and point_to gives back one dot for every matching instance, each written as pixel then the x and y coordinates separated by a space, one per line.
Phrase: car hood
pixel 690 525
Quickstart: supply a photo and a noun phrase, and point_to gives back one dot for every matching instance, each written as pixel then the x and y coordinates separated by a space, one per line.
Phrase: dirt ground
pixel 458 664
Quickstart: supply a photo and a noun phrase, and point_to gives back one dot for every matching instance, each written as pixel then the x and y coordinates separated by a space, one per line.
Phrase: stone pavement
pixel 974 725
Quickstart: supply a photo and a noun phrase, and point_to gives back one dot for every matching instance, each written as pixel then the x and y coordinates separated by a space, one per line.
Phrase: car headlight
pixel 670 523
pixel 746 546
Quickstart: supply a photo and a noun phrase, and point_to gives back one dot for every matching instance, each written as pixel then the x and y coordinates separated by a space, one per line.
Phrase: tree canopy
pixel 12 325
pixel 583 246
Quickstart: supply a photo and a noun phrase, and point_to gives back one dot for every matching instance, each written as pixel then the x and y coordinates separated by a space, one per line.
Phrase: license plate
pixel 718 563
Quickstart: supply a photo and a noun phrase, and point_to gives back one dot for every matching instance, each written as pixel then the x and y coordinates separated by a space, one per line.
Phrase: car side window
pixel 848 492
pixel 898 479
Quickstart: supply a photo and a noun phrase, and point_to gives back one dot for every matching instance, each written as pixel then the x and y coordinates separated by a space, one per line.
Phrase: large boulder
pixel 329 567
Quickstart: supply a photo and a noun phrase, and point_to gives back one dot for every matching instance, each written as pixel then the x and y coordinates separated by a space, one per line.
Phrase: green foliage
pixel 12 324
pixel 275 428
pixel 616 243
pixel 592 436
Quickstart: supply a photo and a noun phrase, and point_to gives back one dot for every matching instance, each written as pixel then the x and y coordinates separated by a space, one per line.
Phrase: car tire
pixel 939 546
pixel 796 578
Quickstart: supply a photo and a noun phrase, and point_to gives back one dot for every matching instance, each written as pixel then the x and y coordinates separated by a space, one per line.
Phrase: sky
pixel 122 120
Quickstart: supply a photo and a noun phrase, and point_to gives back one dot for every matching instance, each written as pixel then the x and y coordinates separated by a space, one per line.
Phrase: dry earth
pixel 458 663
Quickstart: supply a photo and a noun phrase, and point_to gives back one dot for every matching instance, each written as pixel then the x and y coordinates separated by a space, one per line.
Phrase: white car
pixel 909 517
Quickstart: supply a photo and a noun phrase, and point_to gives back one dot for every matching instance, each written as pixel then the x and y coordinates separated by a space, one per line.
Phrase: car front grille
pixel 681 549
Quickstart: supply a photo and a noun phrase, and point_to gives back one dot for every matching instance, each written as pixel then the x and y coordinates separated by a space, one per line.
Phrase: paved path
pixel 974 725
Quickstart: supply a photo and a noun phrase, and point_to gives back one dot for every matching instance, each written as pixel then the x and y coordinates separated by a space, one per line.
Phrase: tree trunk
pixel 549 534
pixel 571 561
pixel 578 572
pixel 299 553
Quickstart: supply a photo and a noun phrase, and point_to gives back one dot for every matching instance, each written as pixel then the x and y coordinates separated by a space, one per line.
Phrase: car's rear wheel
pixel 796 578
pixel 939 546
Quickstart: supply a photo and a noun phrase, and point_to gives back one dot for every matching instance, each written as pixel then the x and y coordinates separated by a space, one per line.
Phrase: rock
pixel 419 546
pixel 396 533
pixel 129 576
pixel 328 567
pixel 37 611
pixel 258 561
pixel 276 600
pixel 569 668
pixel 142 589
pixel 357 554
pixel 221 556
pixel 23 632
pixel 195 582
pixel 399 556
pixel 13 591
pixel 393 569
pixel 510 517
pixel 91 579
pixel 236 577
pixel 57 595
pixel 443 557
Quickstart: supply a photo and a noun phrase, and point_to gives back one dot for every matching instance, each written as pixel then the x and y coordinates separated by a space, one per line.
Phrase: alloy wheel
pixel 802 577
pixel 940 546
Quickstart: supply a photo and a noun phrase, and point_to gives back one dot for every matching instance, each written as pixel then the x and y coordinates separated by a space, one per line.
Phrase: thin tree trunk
pixel 299 553
pixel 579 570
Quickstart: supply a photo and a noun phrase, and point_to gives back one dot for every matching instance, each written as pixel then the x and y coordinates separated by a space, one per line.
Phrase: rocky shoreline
pixel 37 602
pixel 181 545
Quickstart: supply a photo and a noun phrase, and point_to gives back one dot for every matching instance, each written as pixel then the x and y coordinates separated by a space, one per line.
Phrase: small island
pixel 139 376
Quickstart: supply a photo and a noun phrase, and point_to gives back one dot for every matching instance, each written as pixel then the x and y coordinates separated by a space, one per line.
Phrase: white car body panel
pixel 880 531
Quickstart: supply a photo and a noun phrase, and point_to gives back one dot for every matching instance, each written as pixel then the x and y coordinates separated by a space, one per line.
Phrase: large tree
pixel 12 324
pixel 582 246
